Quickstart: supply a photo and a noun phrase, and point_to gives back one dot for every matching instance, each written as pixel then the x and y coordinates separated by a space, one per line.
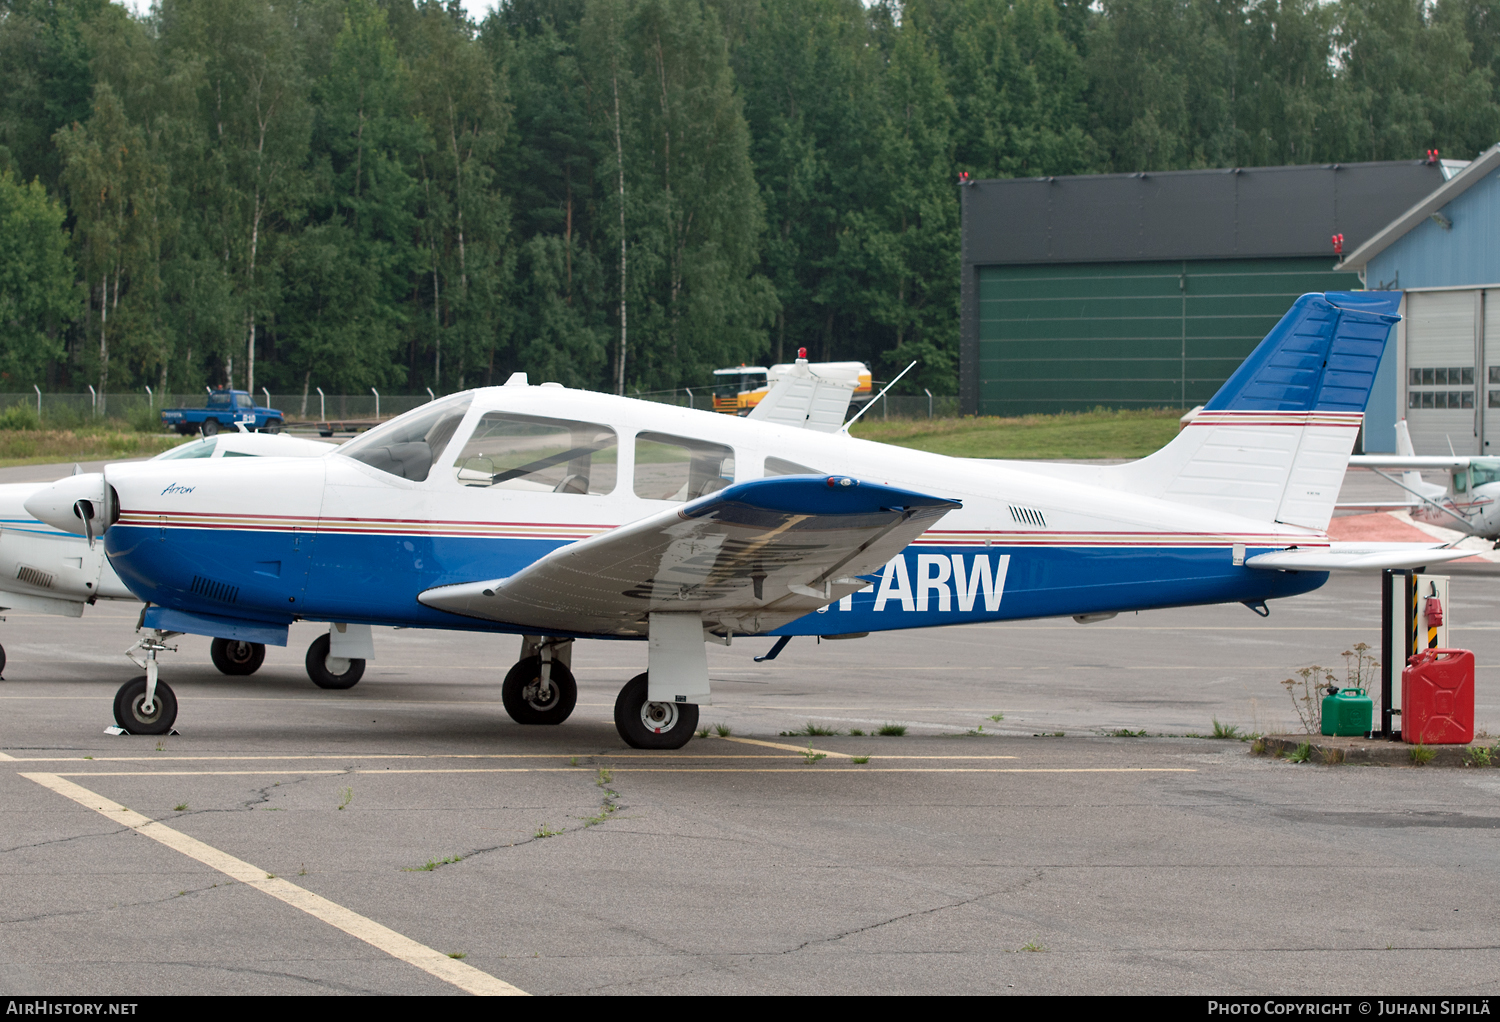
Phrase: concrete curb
pixel 1330 750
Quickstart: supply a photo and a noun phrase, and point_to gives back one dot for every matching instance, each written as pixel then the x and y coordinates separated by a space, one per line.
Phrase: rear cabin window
pixel 407 445
pixel 782 467
pixel 525 452
pixel 218 401
pixel 243 401
pixel 680 468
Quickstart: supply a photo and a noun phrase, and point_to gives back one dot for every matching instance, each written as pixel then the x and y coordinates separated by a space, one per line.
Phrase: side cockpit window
pixel 525 452
pixel 407 445
pixel 680 468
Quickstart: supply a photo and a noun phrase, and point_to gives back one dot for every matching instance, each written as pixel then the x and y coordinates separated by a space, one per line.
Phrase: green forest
pixel 621 195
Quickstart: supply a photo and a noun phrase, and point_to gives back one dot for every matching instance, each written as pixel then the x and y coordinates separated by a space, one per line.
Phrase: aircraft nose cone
pixel 57 505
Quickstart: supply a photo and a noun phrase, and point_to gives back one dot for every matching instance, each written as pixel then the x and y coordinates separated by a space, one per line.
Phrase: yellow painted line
pixel 450 970
pixel 629 769
pixel 355 759
pixel 786 748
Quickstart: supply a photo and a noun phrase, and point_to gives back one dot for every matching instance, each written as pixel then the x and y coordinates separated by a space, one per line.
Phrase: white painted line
pixel 450 970
pixel 7 759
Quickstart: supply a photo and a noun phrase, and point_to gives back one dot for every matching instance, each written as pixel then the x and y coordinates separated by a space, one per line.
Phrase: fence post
pixel 38 400
pixel 929 402
pixel 377 401
pixel 322 409
pixel 93 400
pixel 267 393
pixel 690 397
pixel 430 395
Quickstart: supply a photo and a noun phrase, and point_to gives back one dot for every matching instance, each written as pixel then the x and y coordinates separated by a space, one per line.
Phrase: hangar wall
pixel 1129 334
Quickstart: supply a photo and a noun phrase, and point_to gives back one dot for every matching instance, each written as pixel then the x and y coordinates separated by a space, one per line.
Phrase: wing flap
pixel 749 558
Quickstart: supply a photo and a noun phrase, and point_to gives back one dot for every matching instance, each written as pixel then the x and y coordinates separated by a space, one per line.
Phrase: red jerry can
pixel 1437 698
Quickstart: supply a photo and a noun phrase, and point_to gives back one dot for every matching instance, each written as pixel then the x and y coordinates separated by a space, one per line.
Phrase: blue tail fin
pixel 1321 357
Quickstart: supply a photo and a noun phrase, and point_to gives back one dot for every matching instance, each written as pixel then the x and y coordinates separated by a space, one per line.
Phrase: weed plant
pixel 1225 730
pixel 1301 754
pixel 1479 756
pixel 1421 754
pixel 892 730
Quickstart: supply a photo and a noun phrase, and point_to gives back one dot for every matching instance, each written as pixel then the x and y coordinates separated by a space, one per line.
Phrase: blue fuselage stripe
pixel 375 579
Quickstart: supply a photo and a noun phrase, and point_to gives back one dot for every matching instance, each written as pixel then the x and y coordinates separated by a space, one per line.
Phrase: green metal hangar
pixel 1147 290
pixel 1443 254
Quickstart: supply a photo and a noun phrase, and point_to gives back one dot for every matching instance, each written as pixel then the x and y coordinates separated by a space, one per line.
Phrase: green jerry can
pixel 1347 712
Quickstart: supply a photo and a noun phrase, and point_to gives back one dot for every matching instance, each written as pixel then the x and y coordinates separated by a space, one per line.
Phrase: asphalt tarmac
pixel 294 827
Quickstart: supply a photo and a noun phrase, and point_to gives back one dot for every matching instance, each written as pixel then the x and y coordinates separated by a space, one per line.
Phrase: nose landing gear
pixel 147 705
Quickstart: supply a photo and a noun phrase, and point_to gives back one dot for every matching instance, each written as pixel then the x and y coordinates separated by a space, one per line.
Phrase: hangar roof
pixel 1243 212
pixel 1399 226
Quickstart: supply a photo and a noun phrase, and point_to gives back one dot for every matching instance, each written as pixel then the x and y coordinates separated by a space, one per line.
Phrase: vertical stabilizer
pixel 1274 442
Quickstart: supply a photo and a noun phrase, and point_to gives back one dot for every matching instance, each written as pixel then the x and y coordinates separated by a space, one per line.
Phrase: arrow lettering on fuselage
pixel 934 574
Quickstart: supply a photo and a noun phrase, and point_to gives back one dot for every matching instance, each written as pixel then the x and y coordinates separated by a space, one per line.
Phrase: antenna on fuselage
pixel 871 403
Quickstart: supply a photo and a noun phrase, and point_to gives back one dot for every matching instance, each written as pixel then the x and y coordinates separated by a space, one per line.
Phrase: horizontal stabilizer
pixel 1410 461
pixel 1357 557
pixel 749 558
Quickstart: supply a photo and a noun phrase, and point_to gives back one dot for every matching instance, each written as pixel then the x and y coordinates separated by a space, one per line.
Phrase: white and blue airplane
pixel 558 514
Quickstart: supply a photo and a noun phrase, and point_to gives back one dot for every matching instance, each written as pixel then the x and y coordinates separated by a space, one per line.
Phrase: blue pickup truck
pixel 225 409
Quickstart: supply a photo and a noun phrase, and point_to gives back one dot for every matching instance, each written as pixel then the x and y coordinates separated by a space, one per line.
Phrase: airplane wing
pixel 1356 557
pixel 749 558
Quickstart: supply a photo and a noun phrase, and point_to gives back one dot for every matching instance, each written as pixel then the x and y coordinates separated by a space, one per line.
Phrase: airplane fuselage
pixel 336 539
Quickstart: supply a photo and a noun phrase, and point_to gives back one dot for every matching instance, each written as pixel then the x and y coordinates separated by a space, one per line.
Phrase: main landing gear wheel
pixel 332 671
pixel 233 657
pixel 132 714
pixel 647 725
pixel 2 661
pixel 522 694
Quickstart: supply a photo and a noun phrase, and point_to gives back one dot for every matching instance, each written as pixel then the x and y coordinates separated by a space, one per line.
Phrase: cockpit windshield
pixel 1484 471
pixel 406 446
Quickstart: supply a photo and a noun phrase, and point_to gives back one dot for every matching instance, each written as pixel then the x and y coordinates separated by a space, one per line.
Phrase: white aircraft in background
pixel 556 514
pixel 1470 503
pixel 44 570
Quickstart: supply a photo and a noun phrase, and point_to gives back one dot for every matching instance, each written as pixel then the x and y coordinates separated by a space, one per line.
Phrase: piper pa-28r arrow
pixel 559 514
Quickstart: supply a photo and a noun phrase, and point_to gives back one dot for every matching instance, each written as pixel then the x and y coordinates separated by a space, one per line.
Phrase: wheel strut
pixel 149 646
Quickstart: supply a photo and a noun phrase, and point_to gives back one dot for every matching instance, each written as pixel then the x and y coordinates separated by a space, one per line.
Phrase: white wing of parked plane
pixel 1356 557
pixel 749 558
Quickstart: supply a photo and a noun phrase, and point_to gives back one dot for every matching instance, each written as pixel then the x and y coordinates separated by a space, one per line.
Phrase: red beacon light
pixel 1338 244
pixel 1432 157
pixel 802 353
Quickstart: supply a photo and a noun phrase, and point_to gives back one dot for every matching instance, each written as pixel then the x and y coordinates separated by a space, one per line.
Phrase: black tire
pixel 672 724
pixel 271 426
pixel 210 427
pixel 523 706
pixel 236 658
pixel 128 708
pixel 317 667
pixel 2 661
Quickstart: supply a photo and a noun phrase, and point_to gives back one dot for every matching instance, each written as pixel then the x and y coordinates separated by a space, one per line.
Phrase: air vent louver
pixel 33 577
pixel 1028 516
pixel 221 591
